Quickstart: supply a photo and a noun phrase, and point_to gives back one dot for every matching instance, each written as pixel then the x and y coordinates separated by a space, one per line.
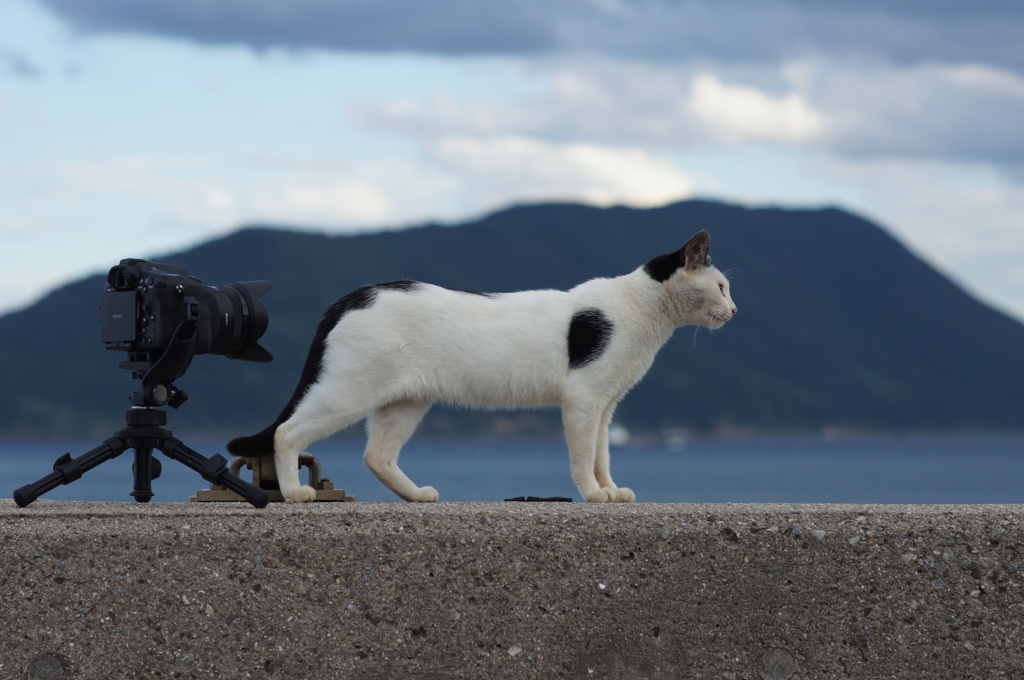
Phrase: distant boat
pixel 617 435
pixel 674 440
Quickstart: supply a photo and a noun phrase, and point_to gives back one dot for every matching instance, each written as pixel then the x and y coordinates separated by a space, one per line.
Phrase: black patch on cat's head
pixel 692 256
pixel 589 333
pixel 664 266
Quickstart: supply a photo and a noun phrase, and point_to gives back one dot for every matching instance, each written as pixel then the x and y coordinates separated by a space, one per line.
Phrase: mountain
pixel 839 325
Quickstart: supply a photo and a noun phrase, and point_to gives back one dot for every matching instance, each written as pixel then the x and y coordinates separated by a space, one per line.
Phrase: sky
pixel 136 128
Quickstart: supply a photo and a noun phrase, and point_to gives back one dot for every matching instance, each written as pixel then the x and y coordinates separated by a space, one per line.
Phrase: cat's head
pixel 694 290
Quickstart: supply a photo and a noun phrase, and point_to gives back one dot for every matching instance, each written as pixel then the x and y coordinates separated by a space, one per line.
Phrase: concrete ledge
pixel 511 590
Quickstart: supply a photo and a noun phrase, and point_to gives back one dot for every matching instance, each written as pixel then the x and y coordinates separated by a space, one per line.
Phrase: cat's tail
pixel 256 445
pixel 262 443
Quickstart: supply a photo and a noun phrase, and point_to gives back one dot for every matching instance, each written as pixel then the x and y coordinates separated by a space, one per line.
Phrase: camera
pixel 163 317
pixel 147 307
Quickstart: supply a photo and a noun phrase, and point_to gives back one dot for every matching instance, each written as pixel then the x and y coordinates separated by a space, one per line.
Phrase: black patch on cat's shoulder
pixel 360 298
pixel 662 267
pixel 589 333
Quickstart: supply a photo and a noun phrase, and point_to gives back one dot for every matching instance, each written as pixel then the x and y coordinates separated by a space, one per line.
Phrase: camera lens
pixel 231 320
pixel 254 320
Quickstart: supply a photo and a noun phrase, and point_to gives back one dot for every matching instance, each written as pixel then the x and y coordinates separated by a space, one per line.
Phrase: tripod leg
pixel 68 469
pixel 144 471
pixel 215 470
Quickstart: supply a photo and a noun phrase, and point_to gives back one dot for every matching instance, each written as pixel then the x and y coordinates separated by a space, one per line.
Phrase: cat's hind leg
pixel 602 460
pixel 314 419
pixel 389 429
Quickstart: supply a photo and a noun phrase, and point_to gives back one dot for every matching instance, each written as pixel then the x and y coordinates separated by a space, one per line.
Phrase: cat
pixel 386 352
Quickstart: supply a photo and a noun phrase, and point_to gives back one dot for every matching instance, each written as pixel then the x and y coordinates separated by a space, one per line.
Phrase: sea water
pixel 889 469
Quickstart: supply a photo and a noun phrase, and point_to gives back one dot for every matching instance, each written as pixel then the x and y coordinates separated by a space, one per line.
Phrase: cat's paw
pixel 603 495
pixel 425 494
pixel 610 494
pixel 303 494
pixel 625 495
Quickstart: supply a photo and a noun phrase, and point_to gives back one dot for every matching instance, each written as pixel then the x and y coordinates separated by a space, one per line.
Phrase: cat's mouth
pixel 717 319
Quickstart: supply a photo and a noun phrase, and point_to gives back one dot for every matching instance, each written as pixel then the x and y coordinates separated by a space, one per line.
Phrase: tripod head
pixel 159 371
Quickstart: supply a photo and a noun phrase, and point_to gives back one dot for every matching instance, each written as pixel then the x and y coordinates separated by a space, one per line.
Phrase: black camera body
pixel 148 307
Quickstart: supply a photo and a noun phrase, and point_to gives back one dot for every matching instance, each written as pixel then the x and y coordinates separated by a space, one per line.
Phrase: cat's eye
pixel 721 287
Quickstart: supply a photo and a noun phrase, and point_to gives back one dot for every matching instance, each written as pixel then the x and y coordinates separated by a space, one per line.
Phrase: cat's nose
pixel 734 310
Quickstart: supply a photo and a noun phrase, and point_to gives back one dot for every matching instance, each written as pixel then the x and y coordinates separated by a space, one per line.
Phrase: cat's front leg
pixel 581 435
pixel 602 461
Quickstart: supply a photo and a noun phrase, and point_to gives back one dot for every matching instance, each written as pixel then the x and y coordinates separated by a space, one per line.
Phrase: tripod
pixel 144 432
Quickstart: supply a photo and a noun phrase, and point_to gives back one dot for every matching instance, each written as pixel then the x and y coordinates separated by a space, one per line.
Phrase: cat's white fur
pixel 411 347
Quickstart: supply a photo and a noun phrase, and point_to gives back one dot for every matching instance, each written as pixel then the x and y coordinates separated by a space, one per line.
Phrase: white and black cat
pixel 386 352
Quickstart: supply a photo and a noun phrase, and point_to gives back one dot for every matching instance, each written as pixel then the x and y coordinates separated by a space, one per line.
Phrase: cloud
pixel 937 79
pixel 971 112
pixel 174 200
pixel 737 113
pixel 384 193
pixel 929 111
pixel 494 170
pixel 612 103
pixel 741 30
pixel 451 27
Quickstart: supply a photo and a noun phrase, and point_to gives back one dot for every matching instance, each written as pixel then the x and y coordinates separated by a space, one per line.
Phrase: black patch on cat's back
pixel 589 333
pixel 360 298
pixel 262 443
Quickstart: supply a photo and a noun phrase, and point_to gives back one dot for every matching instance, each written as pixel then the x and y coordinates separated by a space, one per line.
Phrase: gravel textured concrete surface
pixel 510 590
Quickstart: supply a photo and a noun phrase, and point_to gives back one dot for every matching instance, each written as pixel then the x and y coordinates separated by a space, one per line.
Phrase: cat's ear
pixel 695 252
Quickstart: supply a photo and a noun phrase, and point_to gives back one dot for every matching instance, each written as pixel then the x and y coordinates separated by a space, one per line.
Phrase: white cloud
pixel 498 170
pixel 869 110
pixel 354 199
pixel 619 103
pixel 736 113
pixel 984 78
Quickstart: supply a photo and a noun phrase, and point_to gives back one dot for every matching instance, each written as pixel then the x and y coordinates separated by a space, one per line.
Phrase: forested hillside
pixel 838 325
